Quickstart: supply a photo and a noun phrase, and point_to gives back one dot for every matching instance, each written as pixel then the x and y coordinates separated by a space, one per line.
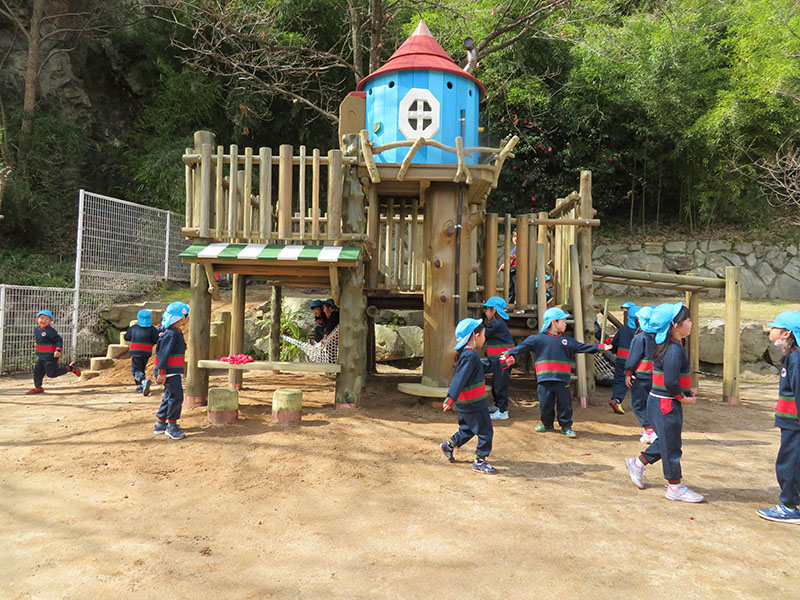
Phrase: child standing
pixel 785 333
pixel 468 391
pixel 554 352
pixel 48 350
pixel 498 340
pixel 620 346
pixel 142 336
pixel 671 390
pixel 639 372
pixel 170 360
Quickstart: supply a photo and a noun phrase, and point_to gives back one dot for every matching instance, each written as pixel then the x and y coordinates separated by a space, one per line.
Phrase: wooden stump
pixel 223 406
pixel 287 405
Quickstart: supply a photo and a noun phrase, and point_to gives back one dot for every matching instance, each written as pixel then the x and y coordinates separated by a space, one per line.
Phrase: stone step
pixel 86 374
pixel 122 339
pixel 98 363
pixel 116 350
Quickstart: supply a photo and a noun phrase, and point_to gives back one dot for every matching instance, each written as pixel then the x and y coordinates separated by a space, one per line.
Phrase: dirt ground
pixel 362 504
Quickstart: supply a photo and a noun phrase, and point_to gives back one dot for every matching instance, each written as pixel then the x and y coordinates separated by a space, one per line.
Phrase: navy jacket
pixel 498 337
pixel 468 387
pixel 671 376
pixel 170 352
pixel 621 344
pixel 640 359
pixel 47 342
pixel 553 354
pixel 332 321
pixel 786 412
pixel 142 340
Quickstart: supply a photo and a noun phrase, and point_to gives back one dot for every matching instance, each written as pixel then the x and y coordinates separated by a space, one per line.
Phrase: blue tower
pixel 421 92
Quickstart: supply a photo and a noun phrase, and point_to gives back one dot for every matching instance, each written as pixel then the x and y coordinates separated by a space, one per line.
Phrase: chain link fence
pixel 123 250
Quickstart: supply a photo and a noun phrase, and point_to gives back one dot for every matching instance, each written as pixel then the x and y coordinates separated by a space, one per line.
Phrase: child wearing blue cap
pixel 142 337
pixel 670 391
pixel 554 352
pixel 620 346
pixel 169 364
pixel 331 315
pixel 468 391
pixel 319 320
pixel 498 340
pixel 639 372
pixel 48 350
pixel 785 332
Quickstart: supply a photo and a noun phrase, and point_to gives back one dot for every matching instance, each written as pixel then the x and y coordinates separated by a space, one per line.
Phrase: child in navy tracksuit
pixel 671 390
pixel 142 337
pixel 620 346
pixel 48 350
pixel 639 372
pixel 169 364
pixel 498 340
pixel 785 333
pixel 554 353
pixel 468 391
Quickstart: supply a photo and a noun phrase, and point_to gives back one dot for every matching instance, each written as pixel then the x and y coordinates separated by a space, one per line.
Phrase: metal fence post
pixel 2 322
pixel 77 296
pixel 166 248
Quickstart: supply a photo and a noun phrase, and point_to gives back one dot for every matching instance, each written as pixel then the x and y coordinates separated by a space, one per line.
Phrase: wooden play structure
pixel 394 218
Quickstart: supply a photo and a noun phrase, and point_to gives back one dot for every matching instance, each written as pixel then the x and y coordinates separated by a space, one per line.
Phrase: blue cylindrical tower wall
pixel 455 93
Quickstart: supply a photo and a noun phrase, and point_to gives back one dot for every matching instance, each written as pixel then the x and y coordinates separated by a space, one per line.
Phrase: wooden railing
pixel 397 262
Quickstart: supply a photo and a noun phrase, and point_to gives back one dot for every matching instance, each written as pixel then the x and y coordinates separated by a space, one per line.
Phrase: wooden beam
pixel 567 204
pixel 273 365
pixel 401 175
pixel 507 258
pixel 335 195
pixel 285 191
pixel 369 160
pixel 275 323
pixel 213 288
pixel 733 334
pixel 490 257
pixel 577 304
pixel 334 276
pixel 239 289
pixel 523 270
pixel 693 343
pixel 541 282
pixel 504 153
pixel 691 280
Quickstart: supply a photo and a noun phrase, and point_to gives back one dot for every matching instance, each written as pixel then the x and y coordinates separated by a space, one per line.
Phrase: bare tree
pixel 779 177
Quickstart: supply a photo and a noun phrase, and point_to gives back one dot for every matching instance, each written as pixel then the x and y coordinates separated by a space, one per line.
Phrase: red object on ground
pixel 237 359
pixel 34 391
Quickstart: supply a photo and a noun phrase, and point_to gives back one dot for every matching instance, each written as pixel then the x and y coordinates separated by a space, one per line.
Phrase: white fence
pixel 122 250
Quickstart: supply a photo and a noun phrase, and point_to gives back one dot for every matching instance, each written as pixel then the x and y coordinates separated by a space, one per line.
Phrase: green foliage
pixel 396 321
pixel 289 326
pixel 36 266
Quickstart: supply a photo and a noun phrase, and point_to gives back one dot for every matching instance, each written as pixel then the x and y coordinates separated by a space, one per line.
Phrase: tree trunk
pixel 31 81
pixel 376 37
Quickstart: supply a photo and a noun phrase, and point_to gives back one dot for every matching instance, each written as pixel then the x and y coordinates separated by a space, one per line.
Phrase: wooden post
pixel 541 285
pixel 219 195
pixel 199 342
pixel 532 263
pixel 189 191
pixel 693 344
pixel 507 259
pixel 205 191
pixel 275 324
pixel 247 194
pixel 301 192
pixel 577 304
pixel 287 405
pixel 523 270
pixel 583 239
pixel 733 332
pixel 315 231
pixel 413 255
pixel 233 181
pixel 334 194
pixel 374 231
pixel 265 194
pixel 285 193
pixel 490 257
pixel 387 252
pixel 237 326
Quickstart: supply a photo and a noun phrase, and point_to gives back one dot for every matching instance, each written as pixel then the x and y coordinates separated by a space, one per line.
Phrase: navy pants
pixel 620 389
pixel 500 377
pixel 787 466
pixel 138 365
pixel 171 403
pixel 668 426
pixel 640 390
pixel 555 395
pixel 47 367
pixel 512 286
pixel 471 424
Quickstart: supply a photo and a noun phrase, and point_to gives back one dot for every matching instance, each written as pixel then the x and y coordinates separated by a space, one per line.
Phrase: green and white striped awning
pixel 262 252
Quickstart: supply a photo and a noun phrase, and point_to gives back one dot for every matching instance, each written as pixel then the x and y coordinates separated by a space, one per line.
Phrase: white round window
pixel 419 114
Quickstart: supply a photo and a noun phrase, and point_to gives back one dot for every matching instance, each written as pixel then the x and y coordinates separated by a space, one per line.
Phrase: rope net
pixel 326 351
pixel 603 368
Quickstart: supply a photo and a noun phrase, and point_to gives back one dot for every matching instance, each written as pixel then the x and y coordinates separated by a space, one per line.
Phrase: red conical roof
pixel 421 52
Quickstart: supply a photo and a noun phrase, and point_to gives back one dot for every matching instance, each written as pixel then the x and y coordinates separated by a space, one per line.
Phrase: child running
pixel 142 336
pixel 785 333
pixel 48 350
pixel 468 391
pixel 498 340
pixel 553 351
pixel 169 363
pixel 671 390
pixel 620 346
pixel 639 372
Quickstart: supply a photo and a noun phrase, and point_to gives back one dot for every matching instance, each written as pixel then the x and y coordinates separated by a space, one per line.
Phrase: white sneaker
pixel 499 415
pixel 684 494
pixel 635 472
pixel 648 438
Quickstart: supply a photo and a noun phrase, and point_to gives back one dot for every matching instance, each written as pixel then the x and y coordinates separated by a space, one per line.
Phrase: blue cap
pixel 788 319
pixel 316 304
pixel 174 312
pixel 497 303
pixel 643 314
pixel 46 313
pixel 628 304
pixel 661 319
pixel 633 310
pixel 144 318
pixel 464 330
pixel 546 278
pixel 550 315
pixel 330 302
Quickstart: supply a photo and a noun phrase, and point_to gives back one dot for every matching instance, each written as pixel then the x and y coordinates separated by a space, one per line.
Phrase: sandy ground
pixel 362 504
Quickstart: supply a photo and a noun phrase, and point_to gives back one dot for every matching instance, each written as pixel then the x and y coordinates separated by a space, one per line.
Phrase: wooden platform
pixel 268 365
pixel 423 391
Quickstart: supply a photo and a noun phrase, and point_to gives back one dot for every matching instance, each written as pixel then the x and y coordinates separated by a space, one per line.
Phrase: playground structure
pixel 394 218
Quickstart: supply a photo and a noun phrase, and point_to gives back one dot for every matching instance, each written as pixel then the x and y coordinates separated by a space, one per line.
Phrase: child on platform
pixel 319 319
pixel 48 350
pixel 620 346
pixel 468 391
pixel 639 372
pixel 331 315
pixel 498 340
pixel 169 364
pixel 554 352
pixel 142 337
pixel 671 390
pixel 785 333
